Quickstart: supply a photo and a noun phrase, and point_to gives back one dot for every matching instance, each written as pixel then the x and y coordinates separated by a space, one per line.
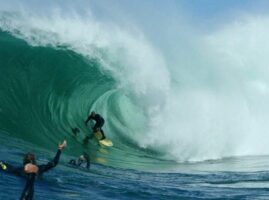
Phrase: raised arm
pixel 54 162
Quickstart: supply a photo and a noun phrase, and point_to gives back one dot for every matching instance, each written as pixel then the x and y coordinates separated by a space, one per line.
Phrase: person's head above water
pixel 93 113
pixel 86 156
pixel 29 158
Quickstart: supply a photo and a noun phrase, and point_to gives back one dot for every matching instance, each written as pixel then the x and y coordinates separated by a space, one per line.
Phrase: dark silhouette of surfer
pixel 30 170
pixel 84 158
pixel 99 122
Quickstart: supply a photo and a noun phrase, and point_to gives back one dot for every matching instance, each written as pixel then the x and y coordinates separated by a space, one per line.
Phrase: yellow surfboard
pixel 104 142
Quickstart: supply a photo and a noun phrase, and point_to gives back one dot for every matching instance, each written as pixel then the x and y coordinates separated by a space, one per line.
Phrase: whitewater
pixel 185 106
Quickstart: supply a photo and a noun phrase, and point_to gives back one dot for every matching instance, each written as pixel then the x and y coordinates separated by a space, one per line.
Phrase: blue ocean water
pixel 230 178
pixel 191 125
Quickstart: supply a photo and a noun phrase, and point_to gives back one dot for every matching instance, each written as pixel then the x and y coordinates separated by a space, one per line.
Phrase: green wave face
pixel 46 91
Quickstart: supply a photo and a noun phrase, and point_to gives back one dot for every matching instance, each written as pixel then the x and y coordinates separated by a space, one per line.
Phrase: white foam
pixel 222 110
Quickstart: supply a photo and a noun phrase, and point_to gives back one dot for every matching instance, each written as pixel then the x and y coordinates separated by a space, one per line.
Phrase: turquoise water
pixel 179 131
pixel 46 92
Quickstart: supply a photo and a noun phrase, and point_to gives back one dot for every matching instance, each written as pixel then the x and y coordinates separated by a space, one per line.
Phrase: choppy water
pixel 230 178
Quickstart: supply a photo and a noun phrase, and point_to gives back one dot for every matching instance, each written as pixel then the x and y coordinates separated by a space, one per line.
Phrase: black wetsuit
pixel 99 122
pixel 28 190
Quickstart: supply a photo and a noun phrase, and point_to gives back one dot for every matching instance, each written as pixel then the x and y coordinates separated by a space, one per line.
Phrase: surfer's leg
pixel 98 126
pixel 103 134
pixel 95 128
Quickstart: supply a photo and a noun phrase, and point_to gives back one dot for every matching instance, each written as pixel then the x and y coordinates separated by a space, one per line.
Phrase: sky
pixel 159 20
pixel 141 11
pixel 195 8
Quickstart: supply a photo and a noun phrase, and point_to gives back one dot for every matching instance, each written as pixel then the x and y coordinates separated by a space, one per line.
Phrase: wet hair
pixel 29 158
pixel 86 156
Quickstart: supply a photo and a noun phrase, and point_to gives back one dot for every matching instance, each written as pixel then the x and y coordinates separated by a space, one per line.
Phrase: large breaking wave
pixel 208 104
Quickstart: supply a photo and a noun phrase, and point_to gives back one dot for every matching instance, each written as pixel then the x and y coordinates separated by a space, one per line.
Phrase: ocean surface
pixel 195 130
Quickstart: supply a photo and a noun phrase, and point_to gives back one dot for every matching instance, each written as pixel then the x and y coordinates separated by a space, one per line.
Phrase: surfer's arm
pixel 54 162
pixel 88 119
pixel 5 167
pixel 51 164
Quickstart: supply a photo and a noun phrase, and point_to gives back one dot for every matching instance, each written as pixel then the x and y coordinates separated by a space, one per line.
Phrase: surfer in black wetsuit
pixel 84 158
pixel 30 170
pixel 99 122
